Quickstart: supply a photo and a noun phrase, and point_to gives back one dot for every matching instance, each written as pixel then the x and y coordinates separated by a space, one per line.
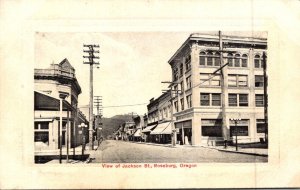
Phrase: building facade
pixel 159 125
pixel 49 85
pixel 197 104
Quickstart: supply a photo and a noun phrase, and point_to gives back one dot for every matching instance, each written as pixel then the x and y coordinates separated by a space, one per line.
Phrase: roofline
pixel 212 37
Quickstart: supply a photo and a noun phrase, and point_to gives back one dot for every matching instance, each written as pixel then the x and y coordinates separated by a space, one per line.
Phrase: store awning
pixel 160 128
pixel 137 133
pixel 44 101
pixel 148 129
pixel 168 129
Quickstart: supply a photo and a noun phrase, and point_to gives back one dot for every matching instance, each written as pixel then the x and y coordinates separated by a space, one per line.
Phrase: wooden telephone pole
pixel 91 62
pixel 223 99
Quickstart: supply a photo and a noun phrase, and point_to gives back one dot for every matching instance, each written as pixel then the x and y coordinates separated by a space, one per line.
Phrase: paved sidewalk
pixel 232 149
pixel 250 151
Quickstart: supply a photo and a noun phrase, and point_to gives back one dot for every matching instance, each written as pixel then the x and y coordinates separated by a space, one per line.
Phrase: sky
pixel 132 65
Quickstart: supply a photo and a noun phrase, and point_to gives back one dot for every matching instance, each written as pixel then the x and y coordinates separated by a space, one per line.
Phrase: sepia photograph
pixel 151 97
pixel 149 94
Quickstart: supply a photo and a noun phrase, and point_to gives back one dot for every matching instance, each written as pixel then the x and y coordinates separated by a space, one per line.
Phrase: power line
pixel 116 105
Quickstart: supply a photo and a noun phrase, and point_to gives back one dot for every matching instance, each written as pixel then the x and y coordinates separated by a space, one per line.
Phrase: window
pixel 44 125
pixel 181 70
pixel 40 136
pixel 176 89
pixel 244 60
pixel 242 80
pixel 204 99
pixel 209 59
pixel 257 61
pixel 259 100
pixel 175 73
pixel 259 81
pixel 243 100
pixel 260 126
pixel 182 104
pixel 188 82
pixel 181 86
pixel 202 58
pixel 216 99
pixel 237 60
pixel 215 81
pixel 176 106
pixel 189 101
pixel 230 59
pixel 41 132
pixel 237 80
pixel 232 80
pixel 211 127
pixel 41 125
pixel 217 59
pixel 204 79
pixel 188 63
pixel 232 99
pixel 209 79
pixel 240 130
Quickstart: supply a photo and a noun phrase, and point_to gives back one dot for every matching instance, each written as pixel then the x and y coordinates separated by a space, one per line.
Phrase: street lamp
pixel 236 140
pixel 82 126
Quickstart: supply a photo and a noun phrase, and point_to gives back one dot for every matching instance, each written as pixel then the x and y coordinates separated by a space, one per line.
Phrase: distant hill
pixel 112 124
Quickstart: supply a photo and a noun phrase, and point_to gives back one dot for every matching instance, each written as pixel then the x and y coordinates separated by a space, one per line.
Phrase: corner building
pixel 197 102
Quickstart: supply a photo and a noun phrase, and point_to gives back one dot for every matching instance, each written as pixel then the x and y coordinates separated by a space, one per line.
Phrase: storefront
pixel 158 134
pixel 146 132
pixel 184 132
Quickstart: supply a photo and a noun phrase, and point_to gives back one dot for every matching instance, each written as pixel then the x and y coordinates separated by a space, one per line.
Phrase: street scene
pixel 151 97
pixel 127 152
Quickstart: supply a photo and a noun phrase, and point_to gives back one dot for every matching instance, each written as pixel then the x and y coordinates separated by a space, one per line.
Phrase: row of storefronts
pixel 197 109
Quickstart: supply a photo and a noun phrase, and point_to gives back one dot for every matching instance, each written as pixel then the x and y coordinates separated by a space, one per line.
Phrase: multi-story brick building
pixel 159 119
pixel 198 104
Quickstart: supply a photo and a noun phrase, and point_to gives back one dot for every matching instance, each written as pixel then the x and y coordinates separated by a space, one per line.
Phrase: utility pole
pixel 171 84
pixel 98 103
pixel 265 96
pixel 91 62
pixel 224 118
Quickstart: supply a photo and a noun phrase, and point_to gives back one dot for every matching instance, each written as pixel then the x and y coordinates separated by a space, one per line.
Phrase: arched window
pixel 209 59
pixel 202 58
pixel 237 60
pixel 217 59
pixel 256 61
pixel 244 60
pixel 229 59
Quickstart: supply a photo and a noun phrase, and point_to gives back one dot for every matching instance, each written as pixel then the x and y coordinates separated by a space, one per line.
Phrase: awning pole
pixel 67 129
pixel 60 130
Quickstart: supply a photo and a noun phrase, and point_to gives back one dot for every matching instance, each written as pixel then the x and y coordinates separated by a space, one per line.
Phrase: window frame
pixel 258 81
pixel 188 82
pixel 235 98
pixel 259 103
pixel 189 101
pixel 203 100
pixel 246 102
pixel 213 99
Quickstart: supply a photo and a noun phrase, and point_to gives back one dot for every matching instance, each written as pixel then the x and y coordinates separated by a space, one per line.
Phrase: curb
pixel 237 152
